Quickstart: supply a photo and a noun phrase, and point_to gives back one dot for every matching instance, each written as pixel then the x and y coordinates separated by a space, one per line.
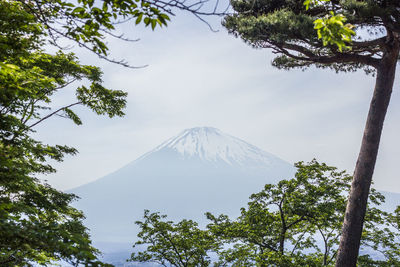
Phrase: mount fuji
pixel 201 169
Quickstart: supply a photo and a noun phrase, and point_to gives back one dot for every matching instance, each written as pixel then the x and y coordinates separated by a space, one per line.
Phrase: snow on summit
pixel 201 169
pixel 210 144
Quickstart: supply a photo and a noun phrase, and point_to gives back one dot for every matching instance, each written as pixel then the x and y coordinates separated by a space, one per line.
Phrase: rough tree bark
pixel 357 203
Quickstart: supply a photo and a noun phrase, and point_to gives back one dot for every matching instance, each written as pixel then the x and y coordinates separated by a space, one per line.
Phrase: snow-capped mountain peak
pixel 211 144
pixel 199 170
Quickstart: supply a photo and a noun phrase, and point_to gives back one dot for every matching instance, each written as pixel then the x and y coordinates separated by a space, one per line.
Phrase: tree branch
pixel 53 113
pixel 338 58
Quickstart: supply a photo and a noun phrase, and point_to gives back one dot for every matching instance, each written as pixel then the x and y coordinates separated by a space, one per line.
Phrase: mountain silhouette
pixel 201 169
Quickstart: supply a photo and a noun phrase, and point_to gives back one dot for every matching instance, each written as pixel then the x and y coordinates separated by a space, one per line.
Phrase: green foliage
pixel 87 22
pixel 302 33
pixel 317 32
pixel 384 237
pixel 308 3
pixel 180 244
pixel 282 223
pixel 37 223
pixel 332 30
pixel 295 222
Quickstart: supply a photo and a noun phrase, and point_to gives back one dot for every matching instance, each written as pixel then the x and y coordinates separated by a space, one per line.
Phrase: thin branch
pixel 338 58
pixel 298 241
pixel 265 245
pixel 296 221
pixel 53 113
pixel 174 248
pixel 120 36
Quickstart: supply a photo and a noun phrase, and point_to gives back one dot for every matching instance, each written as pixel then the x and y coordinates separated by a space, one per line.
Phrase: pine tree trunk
pixel 357 203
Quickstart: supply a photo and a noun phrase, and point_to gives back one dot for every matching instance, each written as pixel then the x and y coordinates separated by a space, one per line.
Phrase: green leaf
pixel 70 114
pixel 153 24
pixel 139 18
pixel 78 10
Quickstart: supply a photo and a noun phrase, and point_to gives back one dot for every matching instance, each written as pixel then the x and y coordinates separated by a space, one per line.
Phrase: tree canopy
pixel 296 222
pixel 288 28
pixel 38 225
pixel 180 244
pixel 313 32
pixel 88 22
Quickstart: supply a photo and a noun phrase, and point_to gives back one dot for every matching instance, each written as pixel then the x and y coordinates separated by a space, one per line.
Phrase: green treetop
pixel 166 243
pixel 288 28
pixel 296 222
pixel 314 32
pixel 37 223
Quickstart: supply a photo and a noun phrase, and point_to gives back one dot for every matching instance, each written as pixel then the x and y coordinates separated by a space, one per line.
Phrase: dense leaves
pixel 296 222
pixel 87 22
pixel 344 35
pixel 282 220
pixel 37 223
pixel 331 28
pixel 180 244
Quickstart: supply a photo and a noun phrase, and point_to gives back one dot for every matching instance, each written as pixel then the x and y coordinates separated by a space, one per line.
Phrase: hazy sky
pixel 197 77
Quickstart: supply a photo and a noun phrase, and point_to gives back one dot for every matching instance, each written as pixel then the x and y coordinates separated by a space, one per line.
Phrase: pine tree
pixel 316 33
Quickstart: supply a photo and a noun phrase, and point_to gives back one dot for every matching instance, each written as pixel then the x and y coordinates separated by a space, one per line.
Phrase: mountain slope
pixel 201 169
pixel 210 144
